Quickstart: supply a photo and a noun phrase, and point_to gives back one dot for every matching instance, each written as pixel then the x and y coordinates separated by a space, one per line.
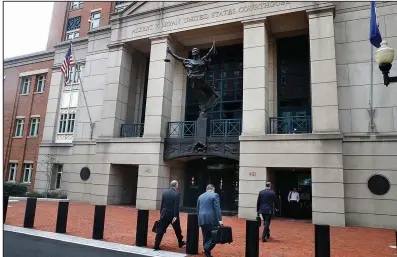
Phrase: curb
pixel 14 198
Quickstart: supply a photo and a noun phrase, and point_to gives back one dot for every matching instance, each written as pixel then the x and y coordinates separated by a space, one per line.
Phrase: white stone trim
pixel 34 72
pixel 35 116
pixel 13 161
pixel 40 199
pixel 93 243
pixel 96 10
pixel 28 162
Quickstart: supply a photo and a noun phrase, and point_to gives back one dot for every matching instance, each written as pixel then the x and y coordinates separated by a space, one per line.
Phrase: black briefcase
pixel 222 235
pixel 155 226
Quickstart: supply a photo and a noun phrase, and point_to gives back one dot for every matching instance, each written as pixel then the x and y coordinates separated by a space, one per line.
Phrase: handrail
pixel 132 130
pixel 290 125
pixel 182 129
pixel 225 128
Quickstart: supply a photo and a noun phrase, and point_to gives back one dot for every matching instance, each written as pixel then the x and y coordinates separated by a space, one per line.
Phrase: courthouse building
pixel 295 84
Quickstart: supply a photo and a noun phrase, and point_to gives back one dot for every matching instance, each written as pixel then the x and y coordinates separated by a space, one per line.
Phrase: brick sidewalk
pixel 291 238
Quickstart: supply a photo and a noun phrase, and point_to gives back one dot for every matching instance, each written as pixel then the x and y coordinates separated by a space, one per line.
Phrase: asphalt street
pixel 22 245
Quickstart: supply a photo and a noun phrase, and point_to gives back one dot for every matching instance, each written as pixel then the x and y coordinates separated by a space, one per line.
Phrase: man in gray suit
pixel 209 216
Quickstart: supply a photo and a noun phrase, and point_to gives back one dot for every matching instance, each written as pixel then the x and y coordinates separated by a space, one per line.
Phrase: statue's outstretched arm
pixel 174 55
pixel 211 51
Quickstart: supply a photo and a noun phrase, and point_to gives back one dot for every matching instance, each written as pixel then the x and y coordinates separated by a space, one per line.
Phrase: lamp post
pixel 384 57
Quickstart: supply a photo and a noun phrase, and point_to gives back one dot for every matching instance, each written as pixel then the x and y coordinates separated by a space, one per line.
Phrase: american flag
pixel 67 63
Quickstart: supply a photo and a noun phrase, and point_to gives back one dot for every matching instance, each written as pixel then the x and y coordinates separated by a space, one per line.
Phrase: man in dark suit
pixel 264 207
pixel 209 216
pixel 169 214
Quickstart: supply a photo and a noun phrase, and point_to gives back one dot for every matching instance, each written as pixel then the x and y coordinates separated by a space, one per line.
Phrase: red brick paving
pixel 290 238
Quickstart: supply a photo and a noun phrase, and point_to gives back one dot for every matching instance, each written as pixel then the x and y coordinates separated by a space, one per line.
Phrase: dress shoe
pixel 181 244
pixel 264 240
pixel 207 254
pixel 157 248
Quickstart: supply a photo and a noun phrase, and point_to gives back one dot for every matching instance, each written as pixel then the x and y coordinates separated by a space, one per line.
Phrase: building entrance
pixel 222 173
pixel 285 181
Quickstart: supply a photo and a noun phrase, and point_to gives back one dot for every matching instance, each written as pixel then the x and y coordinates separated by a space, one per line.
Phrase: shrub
pixel 15 189
pixel 56 194
pixel 34 194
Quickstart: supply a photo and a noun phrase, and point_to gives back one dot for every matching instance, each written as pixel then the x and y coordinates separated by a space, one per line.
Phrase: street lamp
pixel 384 56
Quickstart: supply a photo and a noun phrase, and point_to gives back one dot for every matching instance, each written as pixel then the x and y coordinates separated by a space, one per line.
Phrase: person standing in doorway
pixel 209 216
pixel 267 198
pixel 169 214
pixel 293 200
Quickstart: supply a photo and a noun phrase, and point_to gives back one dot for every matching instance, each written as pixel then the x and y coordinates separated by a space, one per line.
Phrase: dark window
pixel 73 23
pixel 225 74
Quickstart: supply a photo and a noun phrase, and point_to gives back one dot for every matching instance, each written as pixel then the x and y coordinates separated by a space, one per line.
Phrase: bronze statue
pixel 196 69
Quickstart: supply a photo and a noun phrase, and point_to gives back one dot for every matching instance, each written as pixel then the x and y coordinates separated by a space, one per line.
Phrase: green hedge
pixel 15 189
pixel 54 194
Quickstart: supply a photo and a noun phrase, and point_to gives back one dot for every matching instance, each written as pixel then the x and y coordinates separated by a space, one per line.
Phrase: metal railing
pixel 291 125
pixel 132 130
pixel 225 128
pixel 182 129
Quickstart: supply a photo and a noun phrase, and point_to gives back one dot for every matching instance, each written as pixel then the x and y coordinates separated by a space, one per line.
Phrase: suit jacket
pixel 170 204
pixel 266 199
pixel 209 209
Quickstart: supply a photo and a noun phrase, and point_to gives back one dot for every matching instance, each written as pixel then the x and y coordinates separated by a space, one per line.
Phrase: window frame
pixel 92 19
pixel 75 32
pixel 42 79
pixel 27 167
pixel 22 123
pixel 75 5
pixel 65 121
pixel 28 84
pixel 15 171
pixel 37 127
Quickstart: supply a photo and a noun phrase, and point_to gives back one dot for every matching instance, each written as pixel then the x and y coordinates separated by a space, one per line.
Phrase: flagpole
pixel 92 125
pixel 371 98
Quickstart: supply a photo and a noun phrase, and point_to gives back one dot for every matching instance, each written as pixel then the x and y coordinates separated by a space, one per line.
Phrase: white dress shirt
pixel 293 196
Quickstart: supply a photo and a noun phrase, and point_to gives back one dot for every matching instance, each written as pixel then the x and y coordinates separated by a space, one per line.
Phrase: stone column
pixel 179 87
pixel 159 90
pixel 324 92
pixel 115 100
pixel 153 180
pixel 255 84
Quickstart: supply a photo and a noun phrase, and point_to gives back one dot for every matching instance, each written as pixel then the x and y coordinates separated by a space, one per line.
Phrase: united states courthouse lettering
pixel 293 81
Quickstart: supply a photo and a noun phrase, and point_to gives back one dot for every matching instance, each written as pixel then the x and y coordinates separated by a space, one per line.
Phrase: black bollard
pixel 99 222
pixel 62 218
pixel 252 238
pixel 322 239
pixel 5 206
pixel 142 228
pixel 30 212
pixel 192 236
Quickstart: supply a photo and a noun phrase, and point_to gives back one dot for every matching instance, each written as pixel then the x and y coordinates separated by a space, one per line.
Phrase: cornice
pixel 76 41
pixel 29 59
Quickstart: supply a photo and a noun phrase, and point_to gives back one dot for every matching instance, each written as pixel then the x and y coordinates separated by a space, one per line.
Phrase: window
pixel 75 72
pixel 19 127
pixel 40 83
pixel 66 123
pixel 69 99
pixel 73 28
pixel 26 86
pixel 13 172
pixel 95 20
pixel 27 172
pixel 56 176
pixel 121 5
pixel 34 127
pixel 76 5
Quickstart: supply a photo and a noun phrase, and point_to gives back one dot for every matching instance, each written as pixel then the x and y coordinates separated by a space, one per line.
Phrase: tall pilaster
pixel 159 89
pixel 115 100
pixel 255 84
pixel 324 92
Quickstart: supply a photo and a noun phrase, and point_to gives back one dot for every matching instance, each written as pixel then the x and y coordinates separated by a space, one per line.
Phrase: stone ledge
pixel 39 199
pixel 130 140
pixel 290 137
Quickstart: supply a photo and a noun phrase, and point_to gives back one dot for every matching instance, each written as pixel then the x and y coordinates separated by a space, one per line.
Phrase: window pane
pixel 65 99
pixel 74 99
pixel 73 23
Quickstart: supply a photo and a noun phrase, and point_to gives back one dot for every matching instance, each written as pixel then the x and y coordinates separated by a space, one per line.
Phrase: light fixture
pixel 384 56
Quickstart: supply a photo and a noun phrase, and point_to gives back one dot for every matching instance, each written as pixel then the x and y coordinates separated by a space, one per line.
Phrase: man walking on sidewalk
pixel 169 214
pixel 264 207
pixel 209 216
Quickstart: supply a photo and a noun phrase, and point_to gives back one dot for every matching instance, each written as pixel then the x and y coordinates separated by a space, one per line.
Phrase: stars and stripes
pixel 67 63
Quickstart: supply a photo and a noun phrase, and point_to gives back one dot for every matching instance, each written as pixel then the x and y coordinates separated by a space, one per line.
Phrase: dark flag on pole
pixel 374 34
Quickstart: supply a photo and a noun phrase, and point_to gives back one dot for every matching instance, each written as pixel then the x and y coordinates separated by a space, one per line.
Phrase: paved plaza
pixel 290 238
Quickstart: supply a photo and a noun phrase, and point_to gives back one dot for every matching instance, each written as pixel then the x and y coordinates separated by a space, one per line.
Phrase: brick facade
pixel 25 148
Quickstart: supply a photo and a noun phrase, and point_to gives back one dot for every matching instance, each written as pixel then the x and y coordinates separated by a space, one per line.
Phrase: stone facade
pixel 341 151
